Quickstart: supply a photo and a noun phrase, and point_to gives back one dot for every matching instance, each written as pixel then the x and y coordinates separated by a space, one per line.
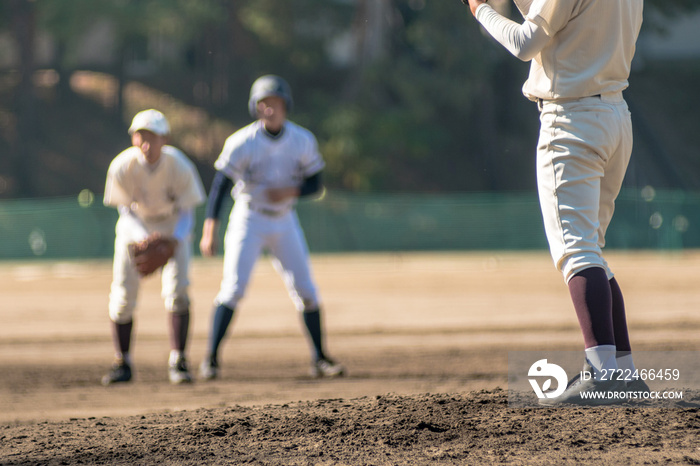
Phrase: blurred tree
pixel 22 19
pixel 403 94
pixel 421 114
pixel 134 22
pixel 289 39
pixel 671 7
pixel 437 106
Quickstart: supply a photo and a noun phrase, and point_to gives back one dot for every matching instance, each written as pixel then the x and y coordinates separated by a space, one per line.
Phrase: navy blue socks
pixel 122 336
pixel 222 319
pixel 593 302
pixel 220 322
pixel 312 321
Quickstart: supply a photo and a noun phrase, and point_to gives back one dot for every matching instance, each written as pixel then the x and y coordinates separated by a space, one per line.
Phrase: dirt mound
pixel 426 340
pixel 470 428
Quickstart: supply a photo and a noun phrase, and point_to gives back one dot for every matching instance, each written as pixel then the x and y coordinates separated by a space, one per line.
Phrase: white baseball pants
pixel 126 280
pixel 248 234
pixel 582 155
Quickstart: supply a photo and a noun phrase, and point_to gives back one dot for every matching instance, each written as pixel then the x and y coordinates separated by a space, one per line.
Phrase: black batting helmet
pixel 267 86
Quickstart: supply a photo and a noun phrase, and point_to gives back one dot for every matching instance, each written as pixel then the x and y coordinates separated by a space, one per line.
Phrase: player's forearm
pixel 210 227
pixel 184 225
pixel 208 244
pixel 524 41
pixel 220 186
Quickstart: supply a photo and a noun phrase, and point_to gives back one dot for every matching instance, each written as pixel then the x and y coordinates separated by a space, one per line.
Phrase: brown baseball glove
pixel 152 253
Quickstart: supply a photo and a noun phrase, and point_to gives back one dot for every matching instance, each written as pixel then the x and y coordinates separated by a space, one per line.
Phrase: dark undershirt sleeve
pixel 311 185
pixel 220 187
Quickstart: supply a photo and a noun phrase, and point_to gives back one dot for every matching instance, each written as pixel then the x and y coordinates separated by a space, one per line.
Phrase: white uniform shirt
pixel 169 187
pixel 592 46
pixel 256 162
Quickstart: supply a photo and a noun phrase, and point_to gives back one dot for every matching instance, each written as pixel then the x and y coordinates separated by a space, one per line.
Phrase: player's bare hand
pixel 281 194
pixel 474 4
pixel 209 242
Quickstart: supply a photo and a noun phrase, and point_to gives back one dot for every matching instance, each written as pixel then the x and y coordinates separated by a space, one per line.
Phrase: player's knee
pixel 121 305
pixel 228 300
pixel 178 305
pixel 306 304
pixel 121 314
pixel 572 264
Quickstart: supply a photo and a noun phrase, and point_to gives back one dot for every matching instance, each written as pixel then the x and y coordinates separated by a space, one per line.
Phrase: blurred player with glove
pixel 155 187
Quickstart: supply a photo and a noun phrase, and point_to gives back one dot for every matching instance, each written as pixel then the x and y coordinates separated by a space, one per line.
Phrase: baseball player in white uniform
pixel 269 163
pixel 580 53
pixel 155 187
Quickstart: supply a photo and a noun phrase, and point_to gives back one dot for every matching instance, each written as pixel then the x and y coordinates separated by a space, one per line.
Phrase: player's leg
pixel 175 293
pixel 221 318
pixel 611 184
pixel 122 302
pixel 573 151
pixel 570 169
pixel 243 244
pixel 291 260
pixel 592 299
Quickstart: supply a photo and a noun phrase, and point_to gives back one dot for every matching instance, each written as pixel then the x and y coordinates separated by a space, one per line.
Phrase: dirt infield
pixel 425 338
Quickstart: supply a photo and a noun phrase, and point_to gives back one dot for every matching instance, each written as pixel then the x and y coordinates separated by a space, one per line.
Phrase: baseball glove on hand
pixel 152 253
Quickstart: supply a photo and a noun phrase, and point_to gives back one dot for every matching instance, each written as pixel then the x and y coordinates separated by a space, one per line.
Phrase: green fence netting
pixel 82 227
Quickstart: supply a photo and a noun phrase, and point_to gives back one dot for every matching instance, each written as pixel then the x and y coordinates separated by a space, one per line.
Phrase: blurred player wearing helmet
pixel 270 164
pixel 155 187
pixel 580 53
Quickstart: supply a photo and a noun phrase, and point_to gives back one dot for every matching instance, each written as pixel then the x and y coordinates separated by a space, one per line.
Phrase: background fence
pixel 82 227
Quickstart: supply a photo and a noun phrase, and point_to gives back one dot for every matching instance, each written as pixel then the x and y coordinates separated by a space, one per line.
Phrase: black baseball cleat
pixel 120 373
pixel 326 368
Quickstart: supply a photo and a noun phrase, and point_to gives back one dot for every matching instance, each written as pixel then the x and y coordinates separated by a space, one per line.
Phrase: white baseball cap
pixel 151 120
